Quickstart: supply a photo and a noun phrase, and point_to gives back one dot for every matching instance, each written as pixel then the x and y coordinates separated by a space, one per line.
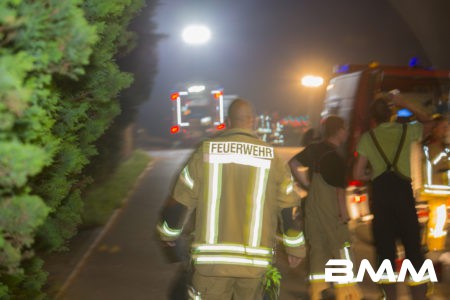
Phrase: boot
pixel 389 291
pixel 348 291
pixel 316 288
pixel 419 292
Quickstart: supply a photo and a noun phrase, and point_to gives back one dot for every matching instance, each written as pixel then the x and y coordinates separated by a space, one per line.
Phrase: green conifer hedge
pixel 59 86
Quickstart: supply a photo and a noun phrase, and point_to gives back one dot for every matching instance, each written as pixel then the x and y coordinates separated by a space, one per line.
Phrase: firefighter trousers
pixel 227 288
pixel 395 217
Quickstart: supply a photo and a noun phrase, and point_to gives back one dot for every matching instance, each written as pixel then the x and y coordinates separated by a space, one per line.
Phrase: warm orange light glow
pixel 220 126
pixel 217 95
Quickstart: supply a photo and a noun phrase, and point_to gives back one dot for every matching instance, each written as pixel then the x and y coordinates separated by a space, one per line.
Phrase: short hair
pixel 331 125
pixel 380 109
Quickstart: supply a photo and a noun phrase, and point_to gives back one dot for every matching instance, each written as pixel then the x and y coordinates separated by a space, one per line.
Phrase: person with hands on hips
pixel 326 213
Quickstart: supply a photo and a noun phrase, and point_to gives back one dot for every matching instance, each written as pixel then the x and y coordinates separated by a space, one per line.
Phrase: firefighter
pixel 434 181
pixel 387 148
pixel 326 213
pixel 238 188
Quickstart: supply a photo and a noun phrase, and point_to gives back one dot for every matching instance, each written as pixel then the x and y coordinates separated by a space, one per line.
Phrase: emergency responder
pixel 238 188
pixel 326 213
pixel 433 181
pixel 387 149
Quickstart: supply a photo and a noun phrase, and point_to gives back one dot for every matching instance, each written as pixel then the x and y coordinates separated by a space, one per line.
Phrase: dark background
pixel 260 49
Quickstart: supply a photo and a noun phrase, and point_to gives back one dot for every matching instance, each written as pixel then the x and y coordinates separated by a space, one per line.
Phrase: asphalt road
pixel 129 263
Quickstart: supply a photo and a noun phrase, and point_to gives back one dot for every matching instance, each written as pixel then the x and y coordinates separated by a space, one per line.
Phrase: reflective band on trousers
pixel 232 249
pixel 317 277
pixel 232 260
pixel 165 230
pixel 294 241
pixel 193 294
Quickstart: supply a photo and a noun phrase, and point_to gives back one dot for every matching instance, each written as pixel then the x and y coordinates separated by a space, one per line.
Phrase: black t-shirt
pixel 323 158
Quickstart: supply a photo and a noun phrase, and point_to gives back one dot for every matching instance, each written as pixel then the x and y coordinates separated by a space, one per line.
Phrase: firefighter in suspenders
pixel 387 148
pixel 238 189
pixel 326 214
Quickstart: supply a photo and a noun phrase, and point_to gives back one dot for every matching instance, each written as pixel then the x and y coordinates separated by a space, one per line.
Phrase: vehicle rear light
pixel 423 213
pixel 174 129
pixel 174 96
pixel 355 183
pixel 217 95
pixel 359 198
pixel 220 126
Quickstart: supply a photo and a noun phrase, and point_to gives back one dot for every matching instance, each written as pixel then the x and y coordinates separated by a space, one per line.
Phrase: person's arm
pixel 182 202
pixel 288 200
pixel 298 172
pixel 171 222
pixel 359 170
pixel 421 115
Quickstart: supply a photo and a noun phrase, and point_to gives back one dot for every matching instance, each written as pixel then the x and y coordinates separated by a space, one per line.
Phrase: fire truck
pixel 349 94
pixel 198 112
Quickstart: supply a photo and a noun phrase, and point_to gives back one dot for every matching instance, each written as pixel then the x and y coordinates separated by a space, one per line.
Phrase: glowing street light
pixel 312 81
pixel 196 34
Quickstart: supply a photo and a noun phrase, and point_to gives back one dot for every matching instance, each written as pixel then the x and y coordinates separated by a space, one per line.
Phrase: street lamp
pixel 196 34
pixel 312 81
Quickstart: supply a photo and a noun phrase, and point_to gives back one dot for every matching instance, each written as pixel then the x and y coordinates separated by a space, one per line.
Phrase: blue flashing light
pixel 413 62
pixel 404 113
pixel 342 69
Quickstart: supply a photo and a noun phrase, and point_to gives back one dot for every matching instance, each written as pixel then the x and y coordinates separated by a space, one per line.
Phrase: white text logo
pixel 342 271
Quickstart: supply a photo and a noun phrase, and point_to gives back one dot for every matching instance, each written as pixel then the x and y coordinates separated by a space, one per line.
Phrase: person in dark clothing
pixel 387 149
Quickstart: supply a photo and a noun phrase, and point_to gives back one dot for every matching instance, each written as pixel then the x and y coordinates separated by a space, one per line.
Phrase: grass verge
pixel 101 200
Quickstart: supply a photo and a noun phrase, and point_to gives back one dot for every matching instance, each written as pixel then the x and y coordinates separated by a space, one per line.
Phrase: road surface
pixel 129 263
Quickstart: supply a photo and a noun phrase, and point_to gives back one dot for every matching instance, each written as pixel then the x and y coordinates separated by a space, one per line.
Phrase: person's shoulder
pixel 415 125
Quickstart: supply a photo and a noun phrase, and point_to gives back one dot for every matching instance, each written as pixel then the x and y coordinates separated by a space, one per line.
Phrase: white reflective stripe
pixel 290 188
pixel 425 278
pixel 437 189
pixel 294 241
pixel 221 108
pixel 186 177
pixel 429 167
pixel 240 159
pixel 439 157
pixel 258 206
pixel 179 111
pixel 441 217
pixel 315 277
pixel 193 294
pixel 387 278
pixel 347 253
pixel 167 231
pixel 213 202
pixel 233 248
pixel 239 260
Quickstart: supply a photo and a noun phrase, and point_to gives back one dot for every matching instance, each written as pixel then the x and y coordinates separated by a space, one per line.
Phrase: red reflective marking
pixel 174 96
pixel 174 129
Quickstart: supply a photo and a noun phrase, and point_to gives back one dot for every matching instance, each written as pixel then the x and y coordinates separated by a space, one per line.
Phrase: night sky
pixel 260 49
